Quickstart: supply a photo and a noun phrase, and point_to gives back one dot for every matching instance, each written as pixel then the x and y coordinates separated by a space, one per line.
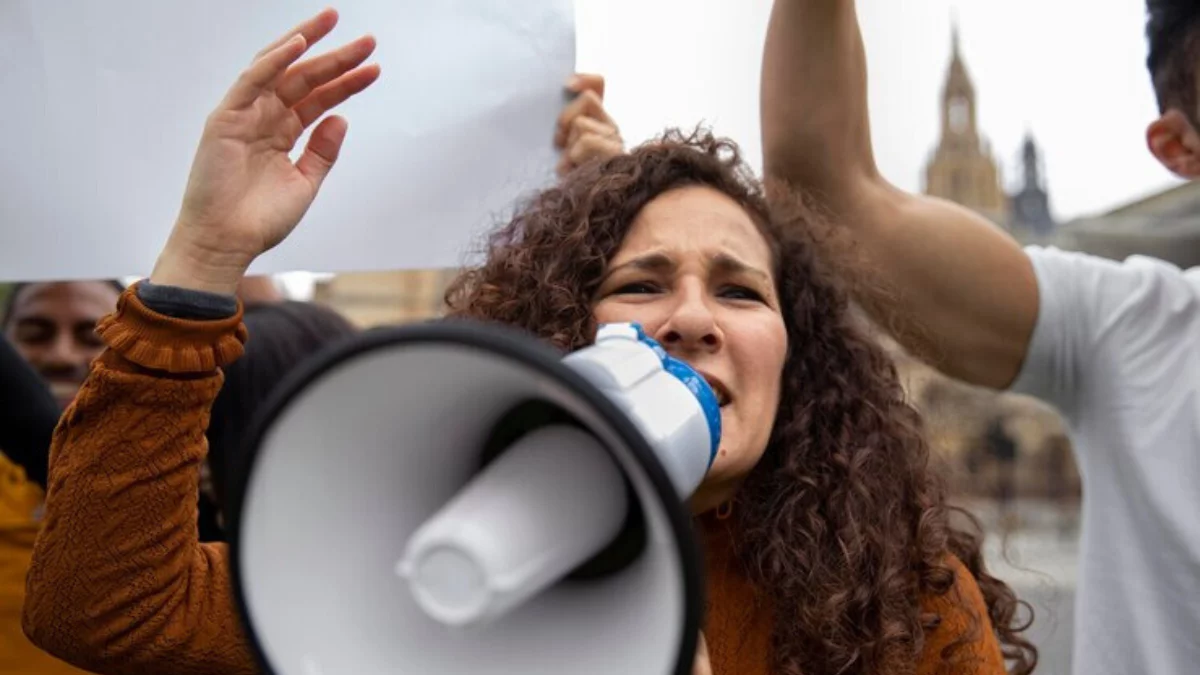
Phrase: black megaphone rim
pixel 504 341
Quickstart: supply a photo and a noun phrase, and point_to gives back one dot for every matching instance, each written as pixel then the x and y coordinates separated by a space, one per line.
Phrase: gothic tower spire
pixel 962 168
pixel 955 53
pixel 1031 204
pixel 1029 162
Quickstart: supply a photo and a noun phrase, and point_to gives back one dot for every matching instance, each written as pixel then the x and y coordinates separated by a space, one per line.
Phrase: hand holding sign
pixel 585 131
pixel 245 195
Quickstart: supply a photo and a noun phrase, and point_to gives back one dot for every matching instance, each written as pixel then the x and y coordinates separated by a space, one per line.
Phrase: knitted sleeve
pixel 964 643
pixel 119 582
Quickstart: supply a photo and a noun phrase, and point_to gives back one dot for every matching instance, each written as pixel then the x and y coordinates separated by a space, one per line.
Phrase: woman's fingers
pixel 313 29
pixel 306 77
pixel 581 82
pixel 587 126
pixel 274 59
pixel 322 150
pixel 593 147
pixel 584 130
pixel 586 104
pixel 263 72
pixel 329 96
pixel 587 140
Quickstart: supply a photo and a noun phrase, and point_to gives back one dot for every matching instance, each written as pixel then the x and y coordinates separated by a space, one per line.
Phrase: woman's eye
pixel 741 293
pixel 638 287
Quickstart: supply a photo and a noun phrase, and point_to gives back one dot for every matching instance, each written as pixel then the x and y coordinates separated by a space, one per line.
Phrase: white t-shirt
pixel 1117 349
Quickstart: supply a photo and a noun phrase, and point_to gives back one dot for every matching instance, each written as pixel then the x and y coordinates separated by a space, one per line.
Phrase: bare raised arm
pixel 966 294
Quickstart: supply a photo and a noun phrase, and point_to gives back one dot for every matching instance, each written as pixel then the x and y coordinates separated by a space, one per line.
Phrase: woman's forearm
pixel 119 581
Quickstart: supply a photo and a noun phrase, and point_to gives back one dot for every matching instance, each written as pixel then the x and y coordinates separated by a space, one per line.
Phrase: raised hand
pixel 245 194
pixel 584 130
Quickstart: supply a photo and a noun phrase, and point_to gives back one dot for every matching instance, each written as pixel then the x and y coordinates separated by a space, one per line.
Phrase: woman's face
pixel 697 274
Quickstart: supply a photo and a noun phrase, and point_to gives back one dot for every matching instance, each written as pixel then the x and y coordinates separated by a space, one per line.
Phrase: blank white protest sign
pixel 105 102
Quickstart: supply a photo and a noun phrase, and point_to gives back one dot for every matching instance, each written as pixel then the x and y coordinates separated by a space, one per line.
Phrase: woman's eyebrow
pixel 728 264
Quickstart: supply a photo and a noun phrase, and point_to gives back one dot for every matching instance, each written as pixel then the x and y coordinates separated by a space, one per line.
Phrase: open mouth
pixel 718 387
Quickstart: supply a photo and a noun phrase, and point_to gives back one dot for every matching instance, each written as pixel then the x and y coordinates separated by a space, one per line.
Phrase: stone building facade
pixel 371 299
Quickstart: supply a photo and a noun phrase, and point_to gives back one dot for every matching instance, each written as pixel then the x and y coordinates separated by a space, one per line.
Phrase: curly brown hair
pixel 843 522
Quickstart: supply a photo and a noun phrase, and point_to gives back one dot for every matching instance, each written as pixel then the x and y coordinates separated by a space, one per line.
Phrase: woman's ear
pixel 1175 143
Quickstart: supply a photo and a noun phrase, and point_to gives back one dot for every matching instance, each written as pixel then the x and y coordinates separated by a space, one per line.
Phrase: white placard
pixel 104 104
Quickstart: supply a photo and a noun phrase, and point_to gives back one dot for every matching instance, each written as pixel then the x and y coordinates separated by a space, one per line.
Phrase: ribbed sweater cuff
pixel 186 303
pixel 159 342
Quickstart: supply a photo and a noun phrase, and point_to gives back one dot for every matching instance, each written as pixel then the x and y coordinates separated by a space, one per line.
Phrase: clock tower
pixel 962 168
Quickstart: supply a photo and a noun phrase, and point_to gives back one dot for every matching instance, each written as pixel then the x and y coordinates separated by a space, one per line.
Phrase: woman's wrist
pixel 198 268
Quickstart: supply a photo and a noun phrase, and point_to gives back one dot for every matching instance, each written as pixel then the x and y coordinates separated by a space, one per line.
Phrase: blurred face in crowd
pixel 53 326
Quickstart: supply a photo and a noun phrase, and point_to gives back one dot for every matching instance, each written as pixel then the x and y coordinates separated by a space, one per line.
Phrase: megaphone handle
pixel 534 413
pixel 538 511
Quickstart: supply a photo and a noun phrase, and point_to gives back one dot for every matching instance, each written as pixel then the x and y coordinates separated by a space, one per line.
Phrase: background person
pixel 1111 345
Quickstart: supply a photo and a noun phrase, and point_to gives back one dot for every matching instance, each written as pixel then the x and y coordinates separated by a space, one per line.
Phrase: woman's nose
pixel 691 325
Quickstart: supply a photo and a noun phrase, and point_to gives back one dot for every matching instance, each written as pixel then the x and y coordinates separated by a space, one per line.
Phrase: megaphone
pixel 457 497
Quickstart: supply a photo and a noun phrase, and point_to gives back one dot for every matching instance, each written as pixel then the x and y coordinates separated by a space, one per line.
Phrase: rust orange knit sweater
pixel 738 623
pixel 119 582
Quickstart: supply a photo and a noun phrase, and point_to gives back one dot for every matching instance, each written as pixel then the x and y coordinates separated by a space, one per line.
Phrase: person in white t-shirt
pixel 1114 345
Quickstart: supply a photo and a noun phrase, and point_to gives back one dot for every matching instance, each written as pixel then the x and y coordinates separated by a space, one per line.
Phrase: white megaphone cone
pixel 556 497
pixel 457 497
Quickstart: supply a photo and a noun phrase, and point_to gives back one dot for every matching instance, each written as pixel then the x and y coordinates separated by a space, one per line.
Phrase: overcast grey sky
pixel 1071 71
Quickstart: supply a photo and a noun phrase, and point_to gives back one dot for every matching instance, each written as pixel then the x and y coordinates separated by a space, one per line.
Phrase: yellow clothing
pixel 20 507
